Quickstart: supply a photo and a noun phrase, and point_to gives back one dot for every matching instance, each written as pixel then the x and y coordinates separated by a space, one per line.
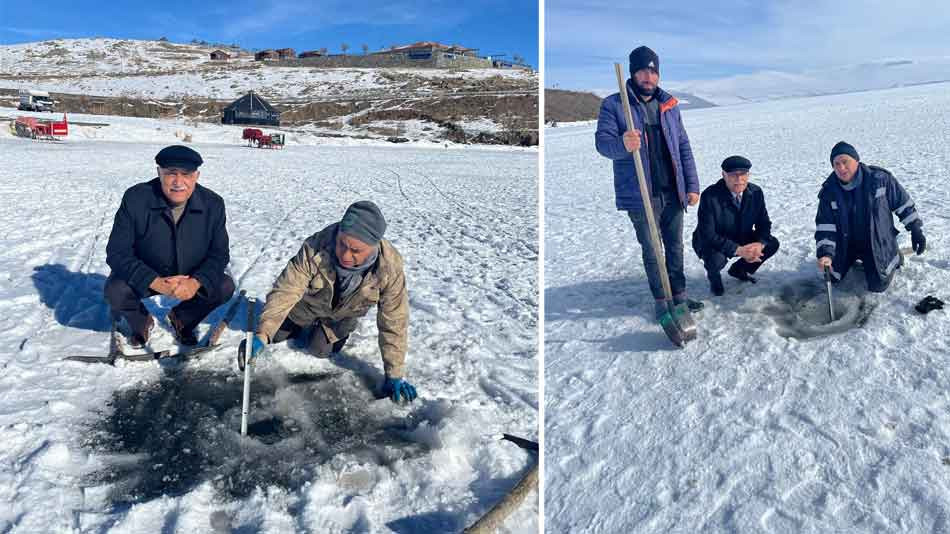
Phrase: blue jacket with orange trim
pixel 611 126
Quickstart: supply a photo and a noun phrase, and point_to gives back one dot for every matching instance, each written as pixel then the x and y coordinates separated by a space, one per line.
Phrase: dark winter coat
pixel 883 195
pixel 723 227
pixel 611 126
pixel 145 243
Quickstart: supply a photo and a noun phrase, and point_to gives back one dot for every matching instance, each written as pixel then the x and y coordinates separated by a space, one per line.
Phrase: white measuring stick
pixel 248 349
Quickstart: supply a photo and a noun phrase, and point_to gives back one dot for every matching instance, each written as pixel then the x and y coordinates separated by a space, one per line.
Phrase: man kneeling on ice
pixel 337 276
pixel 854 220
pixel 169 238
pixel 733 222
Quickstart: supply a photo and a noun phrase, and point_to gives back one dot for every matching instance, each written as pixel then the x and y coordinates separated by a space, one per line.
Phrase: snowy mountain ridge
pixel 773 84
pixel 123 67
pixel 484 106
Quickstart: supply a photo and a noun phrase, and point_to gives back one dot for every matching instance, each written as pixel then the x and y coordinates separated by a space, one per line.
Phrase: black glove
pixel 928 304
pixel 917 240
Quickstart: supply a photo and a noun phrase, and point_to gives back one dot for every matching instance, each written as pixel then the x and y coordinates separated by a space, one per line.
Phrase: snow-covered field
pixel 147 447
pixel 745 430
pixel 134 129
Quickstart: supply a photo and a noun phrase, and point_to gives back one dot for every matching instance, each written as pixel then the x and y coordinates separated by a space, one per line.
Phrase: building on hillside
pixel 220 55
pixel 250 109
pixel 310 53
pixel 429 49
pixel 266 55
pixel 286 53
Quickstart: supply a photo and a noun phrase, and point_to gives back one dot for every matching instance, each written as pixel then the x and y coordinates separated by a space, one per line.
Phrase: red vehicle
pixel 259 139
pixel 34 128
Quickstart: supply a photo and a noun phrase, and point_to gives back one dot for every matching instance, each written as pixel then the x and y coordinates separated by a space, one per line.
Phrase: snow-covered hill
pixel 747 430
pixel 499 104
pixel 148 447
pixel 771 85
pixel 157 69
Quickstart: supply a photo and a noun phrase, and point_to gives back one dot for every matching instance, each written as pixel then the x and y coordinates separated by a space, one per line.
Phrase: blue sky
pixel 492 26
pixel 707 40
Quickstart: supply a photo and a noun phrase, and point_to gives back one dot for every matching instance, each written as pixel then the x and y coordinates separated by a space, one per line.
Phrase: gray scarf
pixel 854 183
pixel 348 279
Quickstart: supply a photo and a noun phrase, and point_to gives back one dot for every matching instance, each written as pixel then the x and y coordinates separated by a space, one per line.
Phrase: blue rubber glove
pixel 396 388
pixel 257 346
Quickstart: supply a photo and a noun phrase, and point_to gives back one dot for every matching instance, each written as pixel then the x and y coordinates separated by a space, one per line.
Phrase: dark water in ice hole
pixel 166 438
pixel 801 310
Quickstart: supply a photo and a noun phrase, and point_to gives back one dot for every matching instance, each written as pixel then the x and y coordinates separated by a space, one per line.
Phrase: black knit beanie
pixel 643 58
pixel 843 148
pixel 364 221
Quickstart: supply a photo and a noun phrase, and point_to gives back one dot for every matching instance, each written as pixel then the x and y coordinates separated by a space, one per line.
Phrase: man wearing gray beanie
pixel 854 220
pixel 337 276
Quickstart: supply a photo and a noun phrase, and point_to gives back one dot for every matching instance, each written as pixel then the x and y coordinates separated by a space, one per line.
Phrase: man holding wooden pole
pixel 658 135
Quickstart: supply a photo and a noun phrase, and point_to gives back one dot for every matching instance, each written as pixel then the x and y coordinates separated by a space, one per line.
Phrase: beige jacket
pixel 304 292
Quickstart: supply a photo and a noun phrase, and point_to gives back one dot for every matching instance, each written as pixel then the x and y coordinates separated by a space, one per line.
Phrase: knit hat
pixel 736 163
pixel 364 221
pixel 644 58
pixel 843 148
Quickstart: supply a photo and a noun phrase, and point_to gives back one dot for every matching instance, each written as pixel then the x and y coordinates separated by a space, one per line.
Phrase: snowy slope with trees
pixel 770 421
pixel 149 447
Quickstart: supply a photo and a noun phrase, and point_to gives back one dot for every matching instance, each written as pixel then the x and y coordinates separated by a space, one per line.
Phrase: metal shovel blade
pixel 831 306
pixel 684 318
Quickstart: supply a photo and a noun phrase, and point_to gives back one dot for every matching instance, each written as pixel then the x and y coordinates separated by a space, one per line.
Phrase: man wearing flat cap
pixel 660 137
pixel 337 276
pixel 733 223
pixel 854 220
pixel 169 237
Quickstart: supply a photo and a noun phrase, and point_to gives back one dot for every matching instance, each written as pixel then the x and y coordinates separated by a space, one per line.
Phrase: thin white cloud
pixel 302 16
pixel 34 33
pixel 743 36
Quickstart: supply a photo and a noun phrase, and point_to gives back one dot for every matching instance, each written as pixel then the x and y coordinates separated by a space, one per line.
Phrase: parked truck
pixel 31 100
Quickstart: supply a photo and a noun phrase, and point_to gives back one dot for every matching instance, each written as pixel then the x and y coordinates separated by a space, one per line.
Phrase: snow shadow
pixel 597 299
pixel 76 298
pixel 650 341
pixel 603 299
pixel 427 522
pixel 167 437
pixel 801 309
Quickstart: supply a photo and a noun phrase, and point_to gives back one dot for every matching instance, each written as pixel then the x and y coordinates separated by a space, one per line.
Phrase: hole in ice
pixel 167 437
pixel 801 310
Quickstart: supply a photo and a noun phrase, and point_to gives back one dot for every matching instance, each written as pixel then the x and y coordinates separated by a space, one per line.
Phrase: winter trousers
pixel 876 284
pixel 125 302
pixel 714 260
pixel 319 344
pixel 670 223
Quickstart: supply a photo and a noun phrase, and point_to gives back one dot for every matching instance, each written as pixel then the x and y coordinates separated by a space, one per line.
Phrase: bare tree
pixel 365 48
pixel 344 47
pixel 323 51
pixel 518 59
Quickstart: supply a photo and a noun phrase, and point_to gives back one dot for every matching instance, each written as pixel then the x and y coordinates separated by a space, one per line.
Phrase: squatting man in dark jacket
pixel 168 238
pixel 337 276
pixel 733 222
pixel 660 137
pixel 854 220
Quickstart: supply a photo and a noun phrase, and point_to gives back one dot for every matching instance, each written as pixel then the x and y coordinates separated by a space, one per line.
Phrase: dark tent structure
pixel 251 109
